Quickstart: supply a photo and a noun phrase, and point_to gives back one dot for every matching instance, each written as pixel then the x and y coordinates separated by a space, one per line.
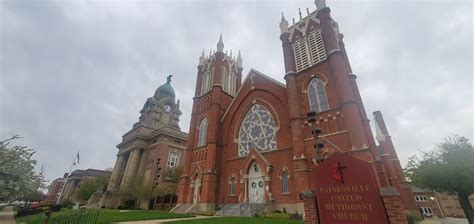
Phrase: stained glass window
pixel 284 182
pixel 202 132
pixel 232 186
pixel 258 130
pixel 318 100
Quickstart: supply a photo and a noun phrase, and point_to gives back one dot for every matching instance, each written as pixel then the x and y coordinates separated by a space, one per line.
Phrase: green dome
pixel 165 90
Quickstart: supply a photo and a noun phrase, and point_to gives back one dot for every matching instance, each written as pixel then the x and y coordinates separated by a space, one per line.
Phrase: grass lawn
pixel 239 220
pixel 111 215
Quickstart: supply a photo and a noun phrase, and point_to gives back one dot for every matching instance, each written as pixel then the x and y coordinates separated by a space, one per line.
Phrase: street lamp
pixel 316 132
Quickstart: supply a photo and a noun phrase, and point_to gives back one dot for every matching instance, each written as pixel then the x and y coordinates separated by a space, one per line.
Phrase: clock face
pixel 167 108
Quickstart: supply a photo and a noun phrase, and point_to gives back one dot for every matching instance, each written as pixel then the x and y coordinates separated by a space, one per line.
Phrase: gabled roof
pixel 252 73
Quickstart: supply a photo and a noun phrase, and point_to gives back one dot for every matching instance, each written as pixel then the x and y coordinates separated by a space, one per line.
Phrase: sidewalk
pixel 157 221
pixel 7 216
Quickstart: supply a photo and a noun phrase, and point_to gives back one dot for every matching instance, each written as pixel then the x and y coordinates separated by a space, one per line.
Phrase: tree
pixel 37 196
pixel 449 168
pixel 135 189
pixel 89 186
pixel 170 184
pixel 17 171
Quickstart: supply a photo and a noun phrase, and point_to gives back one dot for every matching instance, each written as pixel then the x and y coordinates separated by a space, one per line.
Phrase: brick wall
pixel 393 205
pixel 310 211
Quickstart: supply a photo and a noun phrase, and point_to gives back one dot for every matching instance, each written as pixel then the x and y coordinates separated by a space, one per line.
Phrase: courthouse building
pixel 54 190
pixel 250 142
pixel 76 178
pixel 154 143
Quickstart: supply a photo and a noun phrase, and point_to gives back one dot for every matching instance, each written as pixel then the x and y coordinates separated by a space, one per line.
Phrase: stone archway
pixel 256 184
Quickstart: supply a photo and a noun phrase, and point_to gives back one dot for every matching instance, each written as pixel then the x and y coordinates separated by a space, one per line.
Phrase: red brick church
pixel 250 142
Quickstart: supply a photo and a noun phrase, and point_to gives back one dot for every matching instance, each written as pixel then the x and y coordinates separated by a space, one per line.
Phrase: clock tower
pixel 155 143
pixel 161 109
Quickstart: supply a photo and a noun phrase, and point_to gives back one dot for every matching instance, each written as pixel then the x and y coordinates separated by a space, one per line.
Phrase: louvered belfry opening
pixel 309 50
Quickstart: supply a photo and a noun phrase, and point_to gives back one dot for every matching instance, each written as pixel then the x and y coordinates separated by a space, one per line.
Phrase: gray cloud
pixel 74 74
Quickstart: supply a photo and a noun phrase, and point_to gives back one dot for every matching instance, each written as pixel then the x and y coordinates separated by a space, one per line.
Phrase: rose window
pixel 257 131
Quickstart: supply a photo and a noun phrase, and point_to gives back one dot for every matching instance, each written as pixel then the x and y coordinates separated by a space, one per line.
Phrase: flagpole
pixel 67 177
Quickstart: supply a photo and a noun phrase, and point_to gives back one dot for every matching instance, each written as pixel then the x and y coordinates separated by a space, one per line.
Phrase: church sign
pixel 347 192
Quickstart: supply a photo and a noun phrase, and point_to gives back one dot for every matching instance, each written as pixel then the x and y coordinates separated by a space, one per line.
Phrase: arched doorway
pixel 256 184
pixel 197 190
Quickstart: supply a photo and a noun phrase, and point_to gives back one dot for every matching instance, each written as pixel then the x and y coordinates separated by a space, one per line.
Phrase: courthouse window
pixel 318 100
pixel 202 132
pixel 257 131
pixel 173 159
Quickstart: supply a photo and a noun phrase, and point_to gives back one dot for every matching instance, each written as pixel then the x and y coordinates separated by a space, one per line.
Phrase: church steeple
pixel 283 24
pixel 219 70
pixel 238 62
pixel 220 45
pixel 202 58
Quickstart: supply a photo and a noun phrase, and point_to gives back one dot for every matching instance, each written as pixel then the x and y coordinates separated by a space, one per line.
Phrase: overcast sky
pixel 74 74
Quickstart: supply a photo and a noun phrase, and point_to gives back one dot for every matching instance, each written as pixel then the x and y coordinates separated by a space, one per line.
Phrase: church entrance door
pixel 197 186
pixel 256 184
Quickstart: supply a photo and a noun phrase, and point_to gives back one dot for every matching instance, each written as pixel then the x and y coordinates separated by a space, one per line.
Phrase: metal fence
pixel 78 216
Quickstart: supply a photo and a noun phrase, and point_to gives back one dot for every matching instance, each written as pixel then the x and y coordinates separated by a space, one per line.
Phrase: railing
pixel 256 207
pixel 78 216
pixel 253 207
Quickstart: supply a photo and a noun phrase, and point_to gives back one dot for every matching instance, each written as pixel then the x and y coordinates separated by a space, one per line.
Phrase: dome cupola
pixel 165 90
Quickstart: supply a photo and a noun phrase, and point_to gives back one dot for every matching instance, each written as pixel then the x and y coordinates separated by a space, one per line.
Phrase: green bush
pixel 128 204
pixel 412 219
pixel 276 215
pixel 65 203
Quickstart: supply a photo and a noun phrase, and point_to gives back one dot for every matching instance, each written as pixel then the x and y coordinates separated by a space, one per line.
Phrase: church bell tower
pixel 218 80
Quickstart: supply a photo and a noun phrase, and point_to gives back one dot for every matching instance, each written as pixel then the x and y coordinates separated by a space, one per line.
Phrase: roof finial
pixel 283 24
pixel 293 21
pixel 239 60
pixel 299 11
pixel 202 58
pixel 307 11
pixel 220 44
pixel 168 79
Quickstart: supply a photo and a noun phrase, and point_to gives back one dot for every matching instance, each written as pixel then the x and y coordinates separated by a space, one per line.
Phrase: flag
pixel 76 158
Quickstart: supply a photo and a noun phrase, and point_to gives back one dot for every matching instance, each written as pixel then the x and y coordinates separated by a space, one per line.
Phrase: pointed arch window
pixel 258 131
pixel 207 80
pixel 232 186
pixel 318 100
pixel 284 182
pixel 228 80
pixel 202 132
